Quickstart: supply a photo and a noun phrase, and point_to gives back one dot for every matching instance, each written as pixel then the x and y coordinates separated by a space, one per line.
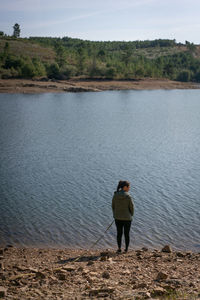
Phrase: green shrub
pixel 28 70
pixel 5 73
pixel 184 76
pixel 39 67
pixel 68 71
pixel 53 71
pixel 110 73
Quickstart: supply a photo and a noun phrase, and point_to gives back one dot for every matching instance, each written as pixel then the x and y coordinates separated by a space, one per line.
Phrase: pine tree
pixel 16 30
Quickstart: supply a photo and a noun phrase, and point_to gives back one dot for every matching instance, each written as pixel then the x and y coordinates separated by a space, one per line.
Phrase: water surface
pixel 63 154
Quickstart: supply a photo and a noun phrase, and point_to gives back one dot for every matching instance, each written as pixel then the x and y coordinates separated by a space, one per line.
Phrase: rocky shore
pixel 30 273
pixel 56 86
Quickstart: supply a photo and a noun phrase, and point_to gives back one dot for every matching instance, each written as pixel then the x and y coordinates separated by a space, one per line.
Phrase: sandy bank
pixel 31 86
pixel 79 274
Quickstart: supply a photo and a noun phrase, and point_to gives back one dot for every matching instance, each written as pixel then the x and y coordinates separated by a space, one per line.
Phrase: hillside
pixel 66 58
pixel 26 48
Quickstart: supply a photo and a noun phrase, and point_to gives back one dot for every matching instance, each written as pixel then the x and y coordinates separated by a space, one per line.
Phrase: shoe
pixel 125 250
pixel 119 251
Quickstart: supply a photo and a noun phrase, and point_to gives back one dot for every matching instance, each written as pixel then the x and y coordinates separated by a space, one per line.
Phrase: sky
pixel 103 20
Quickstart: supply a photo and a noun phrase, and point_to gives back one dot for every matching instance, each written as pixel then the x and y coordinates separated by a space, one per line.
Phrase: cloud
pixel 106 5
pixel 63 21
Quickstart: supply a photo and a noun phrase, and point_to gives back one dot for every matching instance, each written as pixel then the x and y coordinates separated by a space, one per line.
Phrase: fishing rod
pixel 96 241
pixel 101 236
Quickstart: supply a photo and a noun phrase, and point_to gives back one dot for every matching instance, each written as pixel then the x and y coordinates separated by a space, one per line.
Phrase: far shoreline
pixel 28 86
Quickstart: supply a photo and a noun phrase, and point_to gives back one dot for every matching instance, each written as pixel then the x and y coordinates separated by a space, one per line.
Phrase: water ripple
pixel 62 156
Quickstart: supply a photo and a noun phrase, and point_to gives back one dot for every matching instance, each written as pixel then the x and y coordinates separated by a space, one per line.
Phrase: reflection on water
pixel 63 154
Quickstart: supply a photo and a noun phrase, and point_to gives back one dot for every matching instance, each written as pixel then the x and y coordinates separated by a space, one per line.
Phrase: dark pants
pixel 123 225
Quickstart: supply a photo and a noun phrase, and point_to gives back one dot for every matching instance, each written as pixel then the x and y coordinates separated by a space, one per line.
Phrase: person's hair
pixel 122 184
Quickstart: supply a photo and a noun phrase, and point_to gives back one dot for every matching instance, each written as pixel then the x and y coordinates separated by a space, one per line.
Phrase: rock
pixel 110 260
pixel 69 268
pixel 146 295
pixel 33 270
pixel 19 268
pixel 157 255
pixel 75 89
pixel 126 272
pixel 180 254
pixel 61 276
pixel 103 258
pixel 141 285
pixel 101 292
pixel 158 291
pixel 175 282
pixel 161 276
pixel 85 271
pixel 167 249
pixel 6 248
pixel 90 263
pixel 1 251
pixel 145 249
pixel 2 276
pixel 105 275
pixel 53 278
pixel 94 274
pixel 105 254
pixel 3 292
pixel 143 295
pixel 191 284
pixel 90 279
pixel 169 288
pixel 40 275
pixel 45 79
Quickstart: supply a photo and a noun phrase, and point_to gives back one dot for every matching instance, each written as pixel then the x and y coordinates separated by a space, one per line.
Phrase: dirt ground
pixel 55 86
pixel 32 273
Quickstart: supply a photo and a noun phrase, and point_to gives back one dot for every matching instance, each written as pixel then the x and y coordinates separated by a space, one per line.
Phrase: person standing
pixel 123 211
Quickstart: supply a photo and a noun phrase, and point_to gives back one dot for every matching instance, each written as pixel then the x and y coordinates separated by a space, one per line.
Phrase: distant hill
pixel 22 47
pixel 64 58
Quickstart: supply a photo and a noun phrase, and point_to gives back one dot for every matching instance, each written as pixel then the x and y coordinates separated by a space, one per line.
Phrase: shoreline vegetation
pixel 33 273
pixel 82 85
pixel 68 58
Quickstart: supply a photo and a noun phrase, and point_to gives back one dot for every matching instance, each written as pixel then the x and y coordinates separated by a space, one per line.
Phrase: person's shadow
pixel 86 258
pixel 79 259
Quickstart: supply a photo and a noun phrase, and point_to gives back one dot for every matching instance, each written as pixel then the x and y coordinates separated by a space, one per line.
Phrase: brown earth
pixel 30 273
pixel 55 86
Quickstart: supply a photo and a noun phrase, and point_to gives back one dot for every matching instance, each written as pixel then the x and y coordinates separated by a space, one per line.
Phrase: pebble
pixel 40 275
pixel 61 276
pixel 180 254
pixel 69 268
pixel 105 275
pixel 167 249
pixel 3 292
pixel 161 276
pixel 158 291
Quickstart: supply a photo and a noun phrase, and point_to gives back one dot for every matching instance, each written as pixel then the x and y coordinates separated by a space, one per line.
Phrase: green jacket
pixel 122 206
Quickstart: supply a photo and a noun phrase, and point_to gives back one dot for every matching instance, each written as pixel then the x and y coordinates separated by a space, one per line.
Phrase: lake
pixel 62 156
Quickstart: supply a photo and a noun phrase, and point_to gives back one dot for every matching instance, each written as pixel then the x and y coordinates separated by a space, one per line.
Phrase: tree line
pixel 102 60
